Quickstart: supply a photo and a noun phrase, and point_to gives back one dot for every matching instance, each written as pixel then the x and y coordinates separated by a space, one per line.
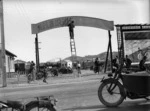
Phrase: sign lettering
pixel 78 20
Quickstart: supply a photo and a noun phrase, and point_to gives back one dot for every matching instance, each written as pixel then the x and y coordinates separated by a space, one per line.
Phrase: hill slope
pixel 102 56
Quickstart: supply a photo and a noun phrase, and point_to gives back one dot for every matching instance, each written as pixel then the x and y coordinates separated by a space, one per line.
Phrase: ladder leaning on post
pixel 72 42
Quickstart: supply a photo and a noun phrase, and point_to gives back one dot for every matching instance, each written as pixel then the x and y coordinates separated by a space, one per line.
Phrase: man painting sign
pixel 71 26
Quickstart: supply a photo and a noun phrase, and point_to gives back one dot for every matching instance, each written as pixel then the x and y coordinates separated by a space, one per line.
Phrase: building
pixel 10 57
pixel 67 63
pixel 19 65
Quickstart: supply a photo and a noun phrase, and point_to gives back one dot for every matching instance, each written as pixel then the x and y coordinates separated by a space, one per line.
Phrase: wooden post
pixel 110 50
pixel 106 58
pixel 2 54
pixel 37 53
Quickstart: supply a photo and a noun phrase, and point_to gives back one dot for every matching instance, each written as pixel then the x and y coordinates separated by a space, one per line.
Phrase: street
pixel 79 96
pixel 58 47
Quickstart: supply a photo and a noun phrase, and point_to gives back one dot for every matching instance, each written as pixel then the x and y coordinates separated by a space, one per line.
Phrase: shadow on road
pixel 125 106
pixel 92 108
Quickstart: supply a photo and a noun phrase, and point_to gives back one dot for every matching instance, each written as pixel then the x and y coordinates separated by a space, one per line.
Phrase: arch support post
pixel 37 53
pixel 109 50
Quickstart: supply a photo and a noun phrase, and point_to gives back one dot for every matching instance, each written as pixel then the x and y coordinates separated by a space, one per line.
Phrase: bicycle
pixel 114 89
pixel 41 103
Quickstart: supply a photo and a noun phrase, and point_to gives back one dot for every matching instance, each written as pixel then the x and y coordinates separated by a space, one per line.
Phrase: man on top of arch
pixel 71 26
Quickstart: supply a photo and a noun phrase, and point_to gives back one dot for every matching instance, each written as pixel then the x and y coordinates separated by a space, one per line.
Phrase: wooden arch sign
pixel 78 21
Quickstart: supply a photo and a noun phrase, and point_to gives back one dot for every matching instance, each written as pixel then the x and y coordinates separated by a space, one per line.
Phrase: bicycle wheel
pixel 35 107
pixel 110 98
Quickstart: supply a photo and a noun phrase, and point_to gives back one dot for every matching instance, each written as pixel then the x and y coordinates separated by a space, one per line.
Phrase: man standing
pixel 142 64
pixel 71 31
pixel 97 68
pixel 32 68
pixel 115 64
pixel 128 62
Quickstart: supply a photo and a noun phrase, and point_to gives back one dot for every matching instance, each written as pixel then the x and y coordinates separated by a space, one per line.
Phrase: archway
pixel 78 21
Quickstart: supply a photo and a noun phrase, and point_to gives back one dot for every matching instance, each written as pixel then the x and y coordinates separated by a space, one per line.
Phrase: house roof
pixel 135 31
pixel 137 36
pixel 64 61
pixel 9 53
pixel 19 61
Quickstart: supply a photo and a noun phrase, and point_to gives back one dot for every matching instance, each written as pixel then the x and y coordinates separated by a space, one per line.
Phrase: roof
pixel 132 25
pixel 137 35
pixel 9 53
pixel 19 61
pixel 135 31
pixel 66 61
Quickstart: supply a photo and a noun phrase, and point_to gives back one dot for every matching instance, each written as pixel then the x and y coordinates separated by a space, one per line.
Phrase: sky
pixel 55 43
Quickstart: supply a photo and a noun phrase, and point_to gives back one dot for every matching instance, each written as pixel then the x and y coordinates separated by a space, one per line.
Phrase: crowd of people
pixel 30 67
pixel 127 63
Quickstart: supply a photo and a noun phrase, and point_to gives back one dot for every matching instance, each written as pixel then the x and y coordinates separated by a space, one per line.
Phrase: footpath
pixel 61 79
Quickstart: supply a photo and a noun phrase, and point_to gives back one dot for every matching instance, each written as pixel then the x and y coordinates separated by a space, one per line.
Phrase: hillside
pixel 102 56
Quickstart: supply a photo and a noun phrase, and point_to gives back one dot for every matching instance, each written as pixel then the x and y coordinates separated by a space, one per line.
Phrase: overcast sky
pixel 55 43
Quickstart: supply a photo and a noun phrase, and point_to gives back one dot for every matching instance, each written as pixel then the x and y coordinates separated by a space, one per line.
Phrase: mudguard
pixel 41 103
pixel 111 80
pixel 32 102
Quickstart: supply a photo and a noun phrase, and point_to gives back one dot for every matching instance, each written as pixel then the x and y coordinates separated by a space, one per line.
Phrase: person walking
pixel 32 68
pixel 79 68
pixel 97 68
pixel 44 73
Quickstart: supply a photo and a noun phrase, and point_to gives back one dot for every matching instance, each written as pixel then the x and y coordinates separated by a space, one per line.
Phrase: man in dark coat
pixel 142 63
pixel 71 31
pixel 128 62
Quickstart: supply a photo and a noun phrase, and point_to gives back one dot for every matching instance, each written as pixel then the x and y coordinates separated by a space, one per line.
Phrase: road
pixel 77 96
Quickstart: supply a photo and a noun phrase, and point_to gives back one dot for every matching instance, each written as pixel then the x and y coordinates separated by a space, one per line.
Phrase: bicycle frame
pixel 43 101
pixel 3 105
pixel 40 101
pixel 115 79
pixel 129 86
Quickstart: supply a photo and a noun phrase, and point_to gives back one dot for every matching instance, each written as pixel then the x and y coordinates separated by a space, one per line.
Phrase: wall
pixel 9 64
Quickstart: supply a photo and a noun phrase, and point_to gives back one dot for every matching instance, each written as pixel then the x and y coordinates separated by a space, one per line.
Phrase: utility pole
pixel 149 10
pixel 2 53
pixel 37 53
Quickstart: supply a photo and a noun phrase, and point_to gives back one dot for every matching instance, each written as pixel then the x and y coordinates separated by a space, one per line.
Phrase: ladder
pixel 73 50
